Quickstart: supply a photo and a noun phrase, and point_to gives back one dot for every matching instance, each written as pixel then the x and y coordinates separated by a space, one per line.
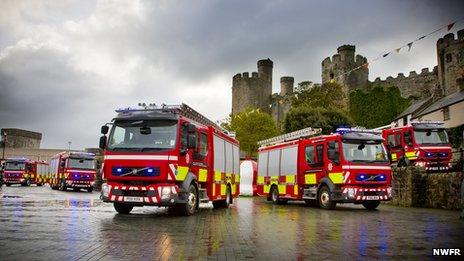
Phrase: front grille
pixel 135 171
pixel 135 193
pixel 372 193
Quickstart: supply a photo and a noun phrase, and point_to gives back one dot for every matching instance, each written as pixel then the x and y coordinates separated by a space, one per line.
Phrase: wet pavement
pixel 40 223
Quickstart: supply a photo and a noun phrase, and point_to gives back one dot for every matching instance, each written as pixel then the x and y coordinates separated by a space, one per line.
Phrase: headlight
pixel 351 192
pixel 420 163
pixel 166 192
pixel 105 190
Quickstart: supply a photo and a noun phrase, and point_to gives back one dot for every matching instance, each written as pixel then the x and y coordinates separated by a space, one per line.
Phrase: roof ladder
pixel 303 133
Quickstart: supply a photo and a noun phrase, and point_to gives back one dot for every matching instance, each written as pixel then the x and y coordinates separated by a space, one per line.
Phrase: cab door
pixel 394 140
pixel 334 168
pixel 200 157
pixel 313 166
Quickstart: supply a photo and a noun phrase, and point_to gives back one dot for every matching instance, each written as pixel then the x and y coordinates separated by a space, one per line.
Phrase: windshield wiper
pixel 123 148
pixel 149 148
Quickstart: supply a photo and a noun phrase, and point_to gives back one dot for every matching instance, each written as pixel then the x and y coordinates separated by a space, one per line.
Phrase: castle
pixel 446 78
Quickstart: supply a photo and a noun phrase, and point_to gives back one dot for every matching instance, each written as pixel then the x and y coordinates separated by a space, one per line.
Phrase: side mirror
pixel 102 142
pixel 192 141
pixel 104 129
pixel 62 164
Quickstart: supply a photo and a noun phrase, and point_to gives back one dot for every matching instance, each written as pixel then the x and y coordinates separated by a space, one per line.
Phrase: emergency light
pixel 358 130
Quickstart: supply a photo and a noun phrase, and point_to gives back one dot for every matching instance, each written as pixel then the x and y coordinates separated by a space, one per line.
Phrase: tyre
pixel 275 196
pixel 189 208
pixel 325 198
pixel 371 205
pixel 90 189
pixel 226 202
pixel 7 184
pixel 76 189
pixel 39 184
pixel 63 186
pixel 123 208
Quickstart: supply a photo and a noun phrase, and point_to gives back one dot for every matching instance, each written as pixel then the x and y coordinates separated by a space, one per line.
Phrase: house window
pixel 331 76
pixel 446 114
pixel 449 58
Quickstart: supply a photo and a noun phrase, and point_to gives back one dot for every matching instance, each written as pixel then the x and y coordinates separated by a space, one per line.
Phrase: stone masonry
pixel 17 138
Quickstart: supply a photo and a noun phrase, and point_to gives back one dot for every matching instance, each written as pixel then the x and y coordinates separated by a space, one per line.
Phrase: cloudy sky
pixel 66 65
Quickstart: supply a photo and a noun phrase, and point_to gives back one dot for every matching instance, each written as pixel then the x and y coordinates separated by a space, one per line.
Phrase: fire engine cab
pixel 349 166
pixel 422 144
pixel 25 172
pixel 74 170
pixel 168 156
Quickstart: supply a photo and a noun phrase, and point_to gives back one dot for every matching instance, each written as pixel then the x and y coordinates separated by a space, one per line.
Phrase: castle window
pixel 331 75
pixel 446 114
pixel 449 58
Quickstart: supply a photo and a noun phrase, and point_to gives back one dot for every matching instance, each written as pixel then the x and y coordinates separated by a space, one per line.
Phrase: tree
pixel 377 107
pixel 250 127
pixel 327 95
pixel 327 119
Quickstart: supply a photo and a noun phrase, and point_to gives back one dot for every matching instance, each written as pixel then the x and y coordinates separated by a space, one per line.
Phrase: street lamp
pixel 69 146
pixel 4 145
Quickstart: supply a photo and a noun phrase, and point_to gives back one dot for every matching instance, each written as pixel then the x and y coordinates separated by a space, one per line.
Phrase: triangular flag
pixel 398 50
pixel 385 55
pixel 409 46
pixel 365 65
pixel 422 37
pixel 451 26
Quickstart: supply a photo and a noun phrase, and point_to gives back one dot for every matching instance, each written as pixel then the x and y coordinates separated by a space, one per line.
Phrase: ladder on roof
pixel 303 133
pixel 192 114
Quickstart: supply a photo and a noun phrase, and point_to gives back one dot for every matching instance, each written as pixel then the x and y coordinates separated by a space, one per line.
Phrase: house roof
pixel 414 108
pixel 443 102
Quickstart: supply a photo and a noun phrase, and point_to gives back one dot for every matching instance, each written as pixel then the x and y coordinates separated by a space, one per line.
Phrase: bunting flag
pixel 397 50
pixel 409 46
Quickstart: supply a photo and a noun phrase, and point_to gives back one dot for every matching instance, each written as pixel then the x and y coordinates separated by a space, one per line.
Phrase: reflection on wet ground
pixel 40 223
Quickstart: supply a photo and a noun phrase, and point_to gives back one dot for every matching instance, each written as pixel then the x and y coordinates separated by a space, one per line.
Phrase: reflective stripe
pixel 337 178
pixel 139 157
pixel 202 175
pixel 266 188
pixel 260 180
pixel 217 176
pixel 411 155
pixel 237 178
pixel 234 189
pixel 223 189
pixel 290 179
pixel 393 155
pixel 310 179
pixel 282 189
pixel 181 173
pixel 366 167
pixel 295 190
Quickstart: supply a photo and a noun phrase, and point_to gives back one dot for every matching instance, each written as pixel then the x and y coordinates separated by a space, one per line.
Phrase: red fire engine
pixel 74 170
pixel 349 166
pixel 422 144
pixel 168 156
pixel 25 172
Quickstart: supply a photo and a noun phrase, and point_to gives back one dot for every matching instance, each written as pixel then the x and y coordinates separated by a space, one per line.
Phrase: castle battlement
pixel 449 39
pixel 424 72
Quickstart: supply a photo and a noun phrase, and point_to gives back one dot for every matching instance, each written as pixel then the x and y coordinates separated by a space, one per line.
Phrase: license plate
pixel 133 199
pixel 372 197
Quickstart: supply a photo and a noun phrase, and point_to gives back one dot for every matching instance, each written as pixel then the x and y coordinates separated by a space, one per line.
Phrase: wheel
pixel 403 162
pixel 188 209
pixel 371 205
pixel 123 208
pixel 226 202
pixel 63 186
pixel 39 184
pixel 7 184
pixel 275 196
pixel 76 189
pixel 90 189
pixel 325 198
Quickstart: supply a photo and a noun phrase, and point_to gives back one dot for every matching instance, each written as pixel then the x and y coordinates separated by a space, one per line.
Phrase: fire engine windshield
pixel 436 136
pixel 15 166
pixel 76 163
pixel 364 151
pixel 143 135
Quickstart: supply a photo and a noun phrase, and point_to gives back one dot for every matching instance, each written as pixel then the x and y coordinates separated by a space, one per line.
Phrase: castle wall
pixel 416 85
pixel 17 138
pixel 344 61
pixel 249 92
pixel 450 58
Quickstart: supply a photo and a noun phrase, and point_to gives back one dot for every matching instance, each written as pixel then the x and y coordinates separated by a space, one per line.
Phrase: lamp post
pixel 4 145
pixel 69 146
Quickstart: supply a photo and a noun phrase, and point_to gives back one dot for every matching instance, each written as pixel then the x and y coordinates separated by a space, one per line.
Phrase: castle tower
pixel 450 56
pixel 344 61
pixel 286 85
pixel 255 91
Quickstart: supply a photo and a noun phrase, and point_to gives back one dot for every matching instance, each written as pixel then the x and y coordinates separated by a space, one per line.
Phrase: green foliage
pixel 455 136
pixel 378 107
pixel 250 127
pixel 327 95
pixel 318 117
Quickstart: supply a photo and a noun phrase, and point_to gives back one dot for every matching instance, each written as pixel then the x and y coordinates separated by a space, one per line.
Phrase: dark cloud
pixel 65 67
